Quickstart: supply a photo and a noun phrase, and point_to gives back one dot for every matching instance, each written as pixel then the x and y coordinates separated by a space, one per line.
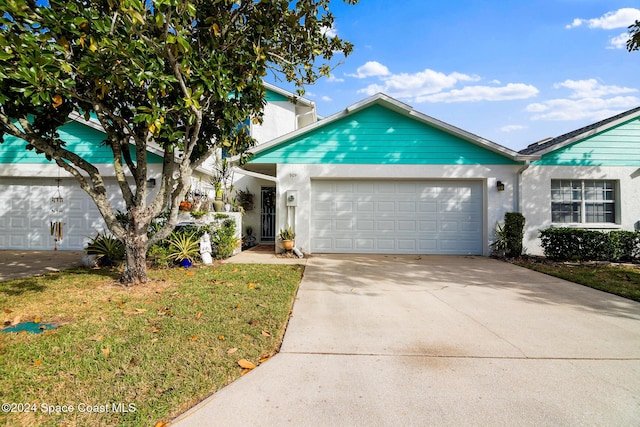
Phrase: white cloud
pixel 333 79
pixel 434 86
pixel 618 42
pixel 326 99
pixel 371 69
pixel 512 128
pixel 590 88
pixel 417 85
pixel 620 18
pixel 483 93
pixel 588 100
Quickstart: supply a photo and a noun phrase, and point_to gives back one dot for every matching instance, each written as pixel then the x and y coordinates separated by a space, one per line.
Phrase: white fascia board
pixel 589 133
pixel 288 94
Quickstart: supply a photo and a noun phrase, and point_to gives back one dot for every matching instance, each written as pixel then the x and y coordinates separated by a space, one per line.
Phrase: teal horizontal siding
pixel 619 146
pixel 275 97
pixel 377 135
pixel 80 139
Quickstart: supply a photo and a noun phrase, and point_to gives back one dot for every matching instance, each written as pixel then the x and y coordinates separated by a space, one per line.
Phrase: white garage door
pixel 26 213
pixel 401 217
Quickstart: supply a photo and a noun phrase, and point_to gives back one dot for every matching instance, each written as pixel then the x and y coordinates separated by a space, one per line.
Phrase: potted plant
pixel 183 248
pixel 245 199
pixel 287 235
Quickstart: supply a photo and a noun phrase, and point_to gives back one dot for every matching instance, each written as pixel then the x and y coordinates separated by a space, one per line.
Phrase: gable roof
pixel 403 109
pixel 552 144
pixel 288 95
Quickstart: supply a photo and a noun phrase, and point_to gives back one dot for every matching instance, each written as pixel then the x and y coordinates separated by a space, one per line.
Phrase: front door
pixel 268 214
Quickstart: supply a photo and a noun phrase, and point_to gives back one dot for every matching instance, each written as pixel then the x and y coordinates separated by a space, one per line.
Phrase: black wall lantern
pixel 500 186
pixel 151 182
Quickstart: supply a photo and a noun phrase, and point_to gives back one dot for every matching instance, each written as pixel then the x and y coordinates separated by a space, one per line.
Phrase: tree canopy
pixel 180 74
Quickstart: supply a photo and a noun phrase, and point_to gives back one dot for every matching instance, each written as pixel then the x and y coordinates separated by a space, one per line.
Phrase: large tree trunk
pixel 135 268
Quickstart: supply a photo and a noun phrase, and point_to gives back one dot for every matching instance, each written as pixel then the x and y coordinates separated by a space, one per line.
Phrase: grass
pixel 622 280
pixel 155 350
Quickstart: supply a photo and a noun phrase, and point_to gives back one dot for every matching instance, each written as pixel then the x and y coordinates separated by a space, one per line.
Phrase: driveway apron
pixel 441 340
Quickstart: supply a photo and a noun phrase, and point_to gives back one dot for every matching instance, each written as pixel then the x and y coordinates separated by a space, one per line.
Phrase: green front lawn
pixel 141 355
pixel 622 280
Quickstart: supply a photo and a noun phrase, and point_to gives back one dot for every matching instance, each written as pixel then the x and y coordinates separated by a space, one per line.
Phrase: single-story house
pixel 35 192
pixel 588 178
pixel 376 177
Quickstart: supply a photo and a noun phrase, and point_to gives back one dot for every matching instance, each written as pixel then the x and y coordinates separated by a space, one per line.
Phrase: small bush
pixel 224 240
pixel 108 250
pixel 514 233
pixel 590 245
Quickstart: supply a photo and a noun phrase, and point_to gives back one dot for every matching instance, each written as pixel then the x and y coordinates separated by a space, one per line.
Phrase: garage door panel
pixel 427 217
pixel 26 213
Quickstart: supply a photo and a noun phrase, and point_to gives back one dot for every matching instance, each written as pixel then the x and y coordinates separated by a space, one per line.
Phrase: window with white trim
pixel 583 201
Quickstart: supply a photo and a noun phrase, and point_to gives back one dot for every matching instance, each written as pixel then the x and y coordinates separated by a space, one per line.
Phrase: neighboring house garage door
pixel 400 217
pixel 26 214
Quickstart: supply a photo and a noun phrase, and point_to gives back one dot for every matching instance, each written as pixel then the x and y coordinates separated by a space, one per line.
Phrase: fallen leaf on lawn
pixel 37 362
pixel 141 310
pixel 6 310
pixel 156 330
pixel 37 320
pixel 252 286
pixel 266 333
pixel 265 358
pixel 96 338
pixel 235 270
pixel 102 319
pixel 245 371
pixel 160 424
pixel 199 315
pixel 244 363
pixel 193 338
pixel 216 271
pixel 221 337
pixel 190 273
pixel 121 306
pixel 262 305
pixel 232 350
pixel 106 351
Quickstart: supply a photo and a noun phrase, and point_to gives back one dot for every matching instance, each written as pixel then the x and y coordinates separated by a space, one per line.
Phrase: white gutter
pixel 517 199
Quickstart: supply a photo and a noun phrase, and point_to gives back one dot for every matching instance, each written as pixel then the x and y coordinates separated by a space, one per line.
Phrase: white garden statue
pixel 205 249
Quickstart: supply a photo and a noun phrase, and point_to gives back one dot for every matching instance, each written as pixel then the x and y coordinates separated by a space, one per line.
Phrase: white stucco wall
pixel 536 198
pixel 299 177
pixel 279 118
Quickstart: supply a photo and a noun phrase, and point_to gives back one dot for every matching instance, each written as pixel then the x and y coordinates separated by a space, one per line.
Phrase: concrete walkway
pixel 440 341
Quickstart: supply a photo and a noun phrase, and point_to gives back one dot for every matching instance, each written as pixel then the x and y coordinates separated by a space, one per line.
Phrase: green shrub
pixel 513 233
pixel 224 240
pixel 183 245
pixel 590 245
pixel 158 256
pixel 108 250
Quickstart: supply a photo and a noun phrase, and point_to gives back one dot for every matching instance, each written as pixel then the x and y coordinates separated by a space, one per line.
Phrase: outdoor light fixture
pixel 151 182
pixel 500 186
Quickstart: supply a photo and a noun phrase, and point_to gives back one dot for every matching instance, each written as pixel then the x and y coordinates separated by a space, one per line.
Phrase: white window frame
pixel 575 194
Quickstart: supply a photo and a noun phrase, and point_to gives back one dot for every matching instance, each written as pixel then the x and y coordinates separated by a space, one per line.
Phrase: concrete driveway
pixel 441 341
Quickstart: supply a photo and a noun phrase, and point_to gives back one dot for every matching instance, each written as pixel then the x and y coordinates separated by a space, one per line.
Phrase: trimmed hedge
pixel 514 233
pixel 590 245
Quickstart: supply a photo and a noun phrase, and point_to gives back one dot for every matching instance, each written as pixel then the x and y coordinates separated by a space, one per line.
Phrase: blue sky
pixel 513 72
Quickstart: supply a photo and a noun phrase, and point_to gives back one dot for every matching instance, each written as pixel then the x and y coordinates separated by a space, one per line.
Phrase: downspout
pixel 518 196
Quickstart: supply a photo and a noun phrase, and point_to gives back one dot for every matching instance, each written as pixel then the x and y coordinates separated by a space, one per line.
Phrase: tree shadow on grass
pixel 34 284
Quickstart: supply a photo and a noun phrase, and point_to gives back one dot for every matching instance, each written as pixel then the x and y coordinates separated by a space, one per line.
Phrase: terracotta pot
pixel 185 206
pixel 287 245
